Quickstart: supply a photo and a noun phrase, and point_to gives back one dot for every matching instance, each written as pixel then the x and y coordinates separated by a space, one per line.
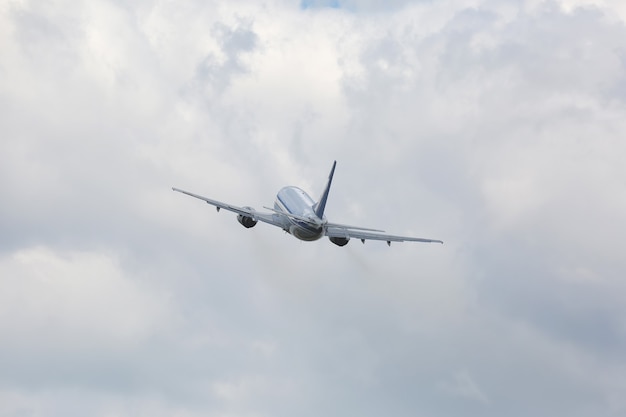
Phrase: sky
pixel 498 127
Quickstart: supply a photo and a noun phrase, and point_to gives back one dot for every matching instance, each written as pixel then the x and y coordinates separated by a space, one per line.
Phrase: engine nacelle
pixel 246 221
pixel 339 241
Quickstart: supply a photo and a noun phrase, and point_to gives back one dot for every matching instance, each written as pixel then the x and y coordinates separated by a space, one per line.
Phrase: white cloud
pixel 495 126
pixel 80 301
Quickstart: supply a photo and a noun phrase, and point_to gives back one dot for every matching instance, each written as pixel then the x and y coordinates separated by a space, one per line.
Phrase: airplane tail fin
pixel 321 204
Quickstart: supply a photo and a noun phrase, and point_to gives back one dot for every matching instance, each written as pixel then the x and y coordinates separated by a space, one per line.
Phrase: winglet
pixel 321 205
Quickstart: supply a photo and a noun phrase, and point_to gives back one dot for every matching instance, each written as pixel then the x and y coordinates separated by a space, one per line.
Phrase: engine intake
pixel 339 241
pixel 246 221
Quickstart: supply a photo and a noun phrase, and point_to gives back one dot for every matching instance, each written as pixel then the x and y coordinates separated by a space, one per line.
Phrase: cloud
pixel 464 386
pixel 495 126
pixel 69 318
pixel 78 293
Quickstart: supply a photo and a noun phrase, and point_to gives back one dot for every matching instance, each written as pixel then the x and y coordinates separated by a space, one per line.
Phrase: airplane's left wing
pixel 272 219
pixel 363 235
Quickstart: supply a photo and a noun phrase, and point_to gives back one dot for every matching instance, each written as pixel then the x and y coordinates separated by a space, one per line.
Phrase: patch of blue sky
pixel 316 4
pixel 359 5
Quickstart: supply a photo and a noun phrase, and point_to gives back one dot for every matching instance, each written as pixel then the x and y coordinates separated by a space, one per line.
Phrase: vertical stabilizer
pixel 321 204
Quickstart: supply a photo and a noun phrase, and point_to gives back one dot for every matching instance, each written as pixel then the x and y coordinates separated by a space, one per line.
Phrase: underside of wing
pixel 363 235
pixel 247 212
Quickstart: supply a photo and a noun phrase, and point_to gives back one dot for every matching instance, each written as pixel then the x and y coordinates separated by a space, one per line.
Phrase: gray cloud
pixel 495 126
pixel 234 43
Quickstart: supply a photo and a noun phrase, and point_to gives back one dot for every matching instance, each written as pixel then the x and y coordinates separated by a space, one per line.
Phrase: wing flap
pixel 345 226
pixel 366 235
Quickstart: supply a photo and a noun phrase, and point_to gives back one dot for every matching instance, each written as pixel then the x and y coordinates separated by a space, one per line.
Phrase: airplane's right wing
pixel 363 235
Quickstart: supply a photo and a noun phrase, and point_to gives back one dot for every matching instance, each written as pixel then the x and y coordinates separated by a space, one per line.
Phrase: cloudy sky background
pixel 496 126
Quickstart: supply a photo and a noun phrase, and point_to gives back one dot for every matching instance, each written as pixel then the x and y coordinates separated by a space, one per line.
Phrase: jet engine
pixel 339 241
pixel 246 221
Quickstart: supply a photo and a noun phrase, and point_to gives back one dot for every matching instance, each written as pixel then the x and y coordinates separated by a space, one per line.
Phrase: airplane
pixel 297 214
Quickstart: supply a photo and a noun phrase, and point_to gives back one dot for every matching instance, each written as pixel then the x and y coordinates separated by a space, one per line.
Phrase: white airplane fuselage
pixel 293 200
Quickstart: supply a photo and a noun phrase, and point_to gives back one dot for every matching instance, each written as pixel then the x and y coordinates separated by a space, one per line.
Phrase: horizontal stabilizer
pixel 295 216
